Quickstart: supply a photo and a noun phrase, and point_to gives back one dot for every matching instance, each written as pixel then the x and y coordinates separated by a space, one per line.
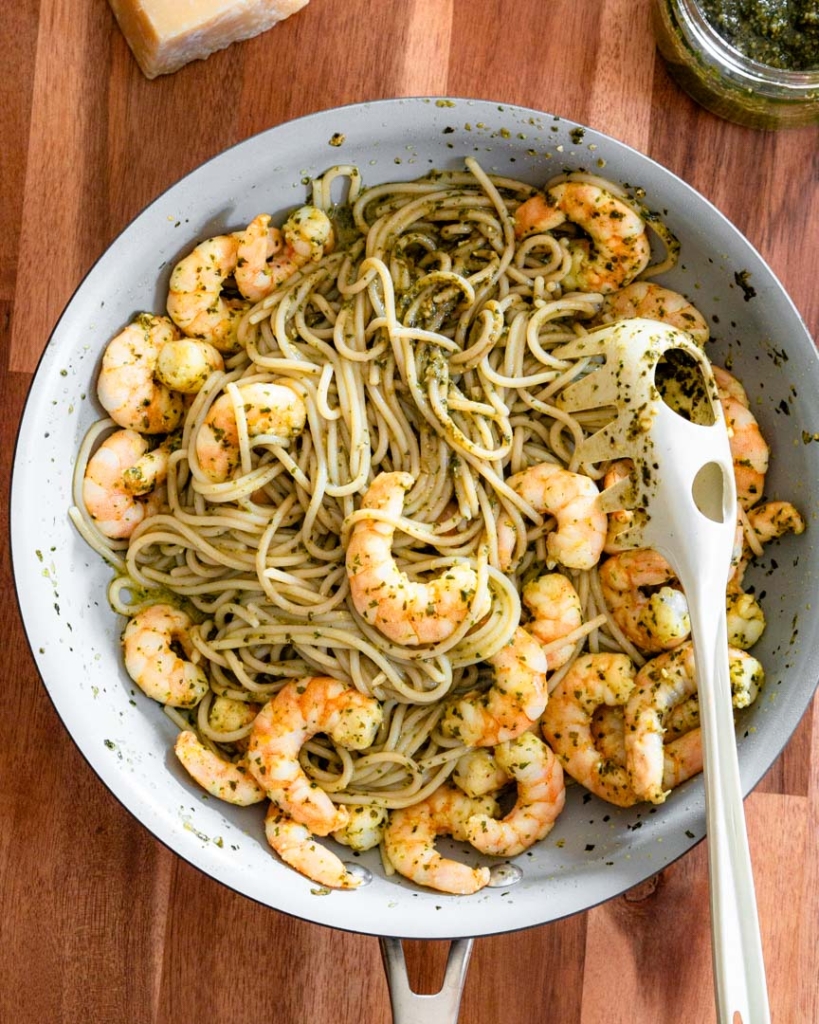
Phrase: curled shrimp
pixel 302 708
pixel 541 795
pixel 121 485
pixel 409 840
pixel 661 684
pixel 227 780
pixel 749 449
pixel 511 705
pixel 153 664
pixel 592 680
pixel 556 611
pixel 267 256
pixel 574 501
pixel 195 302
pixel 273 411
pixel 406 611
pixel 652 615
pixel 300 809
pixel 127 386
pixel 653 302
pixel 618 249
pixel 657 619
pixel 682 754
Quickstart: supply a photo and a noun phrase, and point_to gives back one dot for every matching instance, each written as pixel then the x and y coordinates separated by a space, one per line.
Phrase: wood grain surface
pixel 101 923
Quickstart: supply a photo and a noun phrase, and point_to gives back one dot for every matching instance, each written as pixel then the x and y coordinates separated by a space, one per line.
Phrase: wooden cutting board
pixel 100 922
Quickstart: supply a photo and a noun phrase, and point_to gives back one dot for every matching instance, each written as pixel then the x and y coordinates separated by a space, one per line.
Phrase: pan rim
pixel 300 906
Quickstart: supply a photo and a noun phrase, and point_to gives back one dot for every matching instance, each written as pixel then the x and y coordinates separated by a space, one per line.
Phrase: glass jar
pixel 725 81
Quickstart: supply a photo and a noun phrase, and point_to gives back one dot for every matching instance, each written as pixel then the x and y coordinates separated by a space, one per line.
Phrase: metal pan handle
pixel 410 1008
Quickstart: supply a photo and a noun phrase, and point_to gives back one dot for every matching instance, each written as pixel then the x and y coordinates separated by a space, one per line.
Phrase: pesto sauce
pixel 780 33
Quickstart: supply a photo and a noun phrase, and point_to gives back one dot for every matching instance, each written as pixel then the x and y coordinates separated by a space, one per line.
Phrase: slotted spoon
pixel 682 500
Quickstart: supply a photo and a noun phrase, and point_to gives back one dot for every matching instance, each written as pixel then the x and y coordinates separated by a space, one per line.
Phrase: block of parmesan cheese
pixel 167 34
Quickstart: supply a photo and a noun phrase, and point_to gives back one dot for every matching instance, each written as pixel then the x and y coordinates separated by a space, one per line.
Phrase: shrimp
pixel 745 617
pixel 405 611
pixel 540 799
pixel 662 683
pixel 227 715
pixel 556 612
pixel 685 717
pixel 592 680
pixel 365 829
pixel 749 449
pixel 231 719
pixel 574 501
pixel 620 520
pixel 658 620
pixel 302 708
pixel 127 386
pixel 775 519
pixel 682 759
pixel 226 780
pixel 477 773
pixel 153 664
pixel 260 242
pixel 261 265
pixel 618 249
pixel 728 385
pixel 409 840
pixel 682 756
pixel 767 522
pixel 682 718
pixel 645 299
pixel 510 706
pixel 149 472
pixel 295 845
pixel 121 485
pixel 195 302
pixel 184 365
pixel 653 619
pixel 271 410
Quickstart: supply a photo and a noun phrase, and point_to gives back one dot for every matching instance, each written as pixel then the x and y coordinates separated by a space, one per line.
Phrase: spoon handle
pixel 739 969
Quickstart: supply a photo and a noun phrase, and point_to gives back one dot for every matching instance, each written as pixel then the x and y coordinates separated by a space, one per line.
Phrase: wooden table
pixel 102 923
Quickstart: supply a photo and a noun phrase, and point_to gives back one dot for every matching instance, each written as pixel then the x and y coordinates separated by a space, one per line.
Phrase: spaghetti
pixel 421 344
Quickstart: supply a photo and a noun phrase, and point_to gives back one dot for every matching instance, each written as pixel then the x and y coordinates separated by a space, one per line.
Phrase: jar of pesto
pixel 723 53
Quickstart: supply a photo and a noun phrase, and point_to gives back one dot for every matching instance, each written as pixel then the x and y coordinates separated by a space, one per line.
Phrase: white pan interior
pixel 595 851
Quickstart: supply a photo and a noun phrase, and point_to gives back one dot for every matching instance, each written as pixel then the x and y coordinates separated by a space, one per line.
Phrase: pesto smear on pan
pixel 780 33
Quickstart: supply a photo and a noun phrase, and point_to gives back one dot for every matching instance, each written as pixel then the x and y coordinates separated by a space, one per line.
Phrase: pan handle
pixel 410 1008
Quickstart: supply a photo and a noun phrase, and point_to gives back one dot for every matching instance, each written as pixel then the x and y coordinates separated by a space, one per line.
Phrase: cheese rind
pixel 164 35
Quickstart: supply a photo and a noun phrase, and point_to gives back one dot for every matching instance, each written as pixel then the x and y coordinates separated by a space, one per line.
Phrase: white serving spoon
pixel 683 500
